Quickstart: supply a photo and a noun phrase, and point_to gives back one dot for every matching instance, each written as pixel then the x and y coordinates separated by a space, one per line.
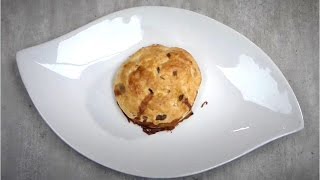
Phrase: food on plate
pixel 157 86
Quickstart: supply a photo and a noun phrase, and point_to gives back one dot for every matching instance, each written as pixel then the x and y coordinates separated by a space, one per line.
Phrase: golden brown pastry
pixel 157 86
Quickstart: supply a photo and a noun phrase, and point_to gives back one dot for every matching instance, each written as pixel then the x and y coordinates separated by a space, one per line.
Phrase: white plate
pixel 250 103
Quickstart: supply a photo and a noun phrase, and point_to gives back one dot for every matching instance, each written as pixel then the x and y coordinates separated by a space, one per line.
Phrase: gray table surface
pixel 286 30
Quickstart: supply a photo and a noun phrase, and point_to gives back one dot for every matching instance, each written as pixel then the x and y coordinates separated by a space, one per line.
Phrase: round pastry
pixel 157 86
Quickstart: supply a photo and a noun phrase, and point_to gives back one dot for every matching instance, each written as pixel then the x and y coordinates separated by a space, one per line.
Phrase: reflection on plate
pixel 69 79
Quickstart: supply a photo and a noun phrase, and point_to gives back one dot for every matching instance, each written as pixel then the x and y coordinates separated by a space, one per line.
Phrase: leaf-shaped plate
pixel 69 79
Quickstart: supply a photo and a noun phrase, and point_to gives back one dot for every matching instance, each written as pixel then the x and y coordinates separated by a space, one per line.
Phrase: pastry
pixel 157 86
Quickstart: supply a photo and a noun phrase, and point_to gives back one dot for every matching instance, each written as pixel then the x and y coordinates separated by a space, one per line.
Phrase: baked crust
pixel 157 86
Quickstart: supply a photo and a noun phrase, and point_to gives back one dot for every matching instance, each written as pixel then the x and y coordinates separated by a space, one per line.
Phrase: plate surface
pixel 69 79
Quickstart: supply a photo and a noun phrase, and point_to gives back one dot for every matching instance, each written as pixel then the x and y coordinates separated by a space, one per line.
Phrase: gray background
pixel 287 31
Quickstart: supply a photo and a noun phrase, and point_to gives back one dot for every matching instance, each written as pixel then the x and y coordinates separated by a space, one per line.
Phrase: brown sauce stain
pixel 204 103
pixel 150 128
